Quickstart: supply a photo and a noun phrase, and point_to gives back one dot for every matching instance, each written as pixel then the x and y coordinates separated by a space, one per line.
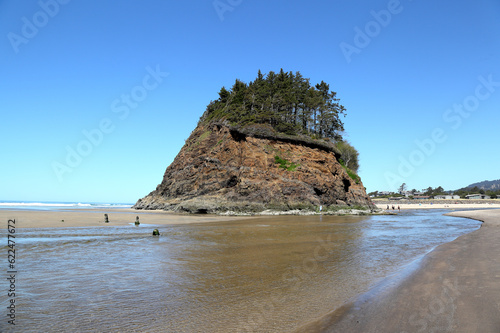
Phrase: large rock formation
pixel 223 168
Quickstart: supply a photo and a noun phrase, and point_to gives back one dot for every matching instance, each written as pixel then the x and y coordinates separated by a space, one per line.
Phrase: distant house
pixel 382 194
pixel 447 197
pixel 477 196
pixel 422 197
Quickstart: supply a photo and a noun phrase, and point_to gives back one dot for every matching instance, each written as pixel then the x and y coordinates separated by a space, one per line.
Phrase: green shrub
pixel 351 173
pixel 286 128
pixel 284 164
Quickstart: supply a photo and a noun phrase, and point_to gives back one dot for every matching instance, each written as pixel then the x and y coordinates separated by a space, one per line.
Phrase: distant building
pixel 422 197
pixel 382 193
pixel 447 197
pixel 477 196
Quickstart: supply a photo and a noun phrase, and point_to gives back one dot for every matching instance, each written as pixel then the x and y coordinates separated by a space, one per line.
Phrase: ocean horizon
pixel 57 205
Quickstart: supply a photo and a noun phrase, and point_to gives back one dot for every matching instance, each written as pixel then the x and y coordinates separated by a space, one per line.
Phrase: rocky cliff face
pixel 221 169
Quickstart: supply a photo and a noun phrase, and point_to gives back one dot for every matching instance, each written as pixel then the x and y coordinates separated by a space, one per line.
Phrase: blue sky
pixel 123 84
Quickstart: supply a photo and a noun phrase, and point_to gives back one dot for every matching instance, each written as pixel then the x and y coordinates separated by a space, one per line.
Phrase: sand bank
pixel 456 288
pixel 95 218
pixel 450 205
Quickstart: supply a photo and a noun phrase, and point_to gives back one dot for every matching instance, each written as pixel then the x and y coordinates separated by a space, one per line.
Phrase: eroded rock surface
pixel 221 169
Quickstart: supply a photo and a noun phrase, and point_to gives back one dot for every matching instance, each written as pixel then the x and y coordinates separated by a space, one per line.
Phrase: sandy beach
pixel 437 205
pixel 455 288
pixel 95 218
pixel 121 217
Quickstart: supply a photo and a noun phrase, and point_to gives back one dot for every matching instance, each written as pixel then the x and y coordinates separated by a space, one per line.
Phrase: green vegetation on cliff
pixel 285 164
pixel 286 106
pixel 285 101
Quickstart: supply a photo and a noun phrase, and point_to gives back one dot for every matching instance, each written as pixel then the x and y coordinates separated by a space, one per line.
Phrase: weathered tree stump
pixel 106 218
pixel 156 232
pixel 137 220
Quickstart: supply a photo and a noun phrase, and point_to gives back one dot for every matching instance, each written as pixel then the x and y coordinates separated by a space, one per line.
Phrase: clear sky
pixel 97 97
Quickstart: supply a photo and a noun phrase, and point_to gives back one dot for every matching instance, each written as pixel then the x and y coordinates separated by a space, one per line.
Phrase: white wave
pixel 36 204
pixel 45 204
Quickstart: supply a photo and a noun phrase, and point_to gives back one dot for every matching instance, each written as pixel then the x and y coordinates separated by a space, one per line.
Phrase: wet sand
pixel 434 299
pixel 456 288
pixel 95 218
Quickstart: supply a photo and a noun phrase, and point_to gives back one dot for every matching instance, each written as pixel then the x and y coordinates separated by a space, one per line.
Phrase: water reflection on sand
pixel 267 274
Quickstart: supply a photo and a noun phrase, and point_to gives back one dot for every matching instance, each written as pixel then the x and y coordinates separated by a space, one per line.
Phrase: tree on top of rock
pixel 284 100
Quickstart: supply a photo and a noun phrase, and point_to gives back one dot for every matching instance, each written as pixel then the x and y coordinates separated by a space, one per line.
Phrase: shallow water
pixel 269 274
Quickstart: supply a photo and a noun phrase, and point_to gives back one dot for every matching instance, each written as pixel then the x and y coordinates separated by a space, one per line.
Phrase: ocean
pixel 44 205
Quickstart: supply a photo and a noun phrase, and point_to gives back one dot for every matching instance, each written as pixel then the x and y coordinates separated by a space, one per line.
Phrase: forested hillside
pixel 487 185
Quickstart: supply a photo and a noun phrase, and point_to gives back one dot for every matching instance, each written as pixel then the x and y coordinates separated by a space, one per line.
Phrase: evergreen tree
pixel 284 100
pixel 350 155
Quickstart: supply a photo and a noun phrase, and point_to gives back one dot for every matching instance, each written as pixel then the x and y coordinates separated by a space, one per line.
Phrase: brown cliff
pixel 223 168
